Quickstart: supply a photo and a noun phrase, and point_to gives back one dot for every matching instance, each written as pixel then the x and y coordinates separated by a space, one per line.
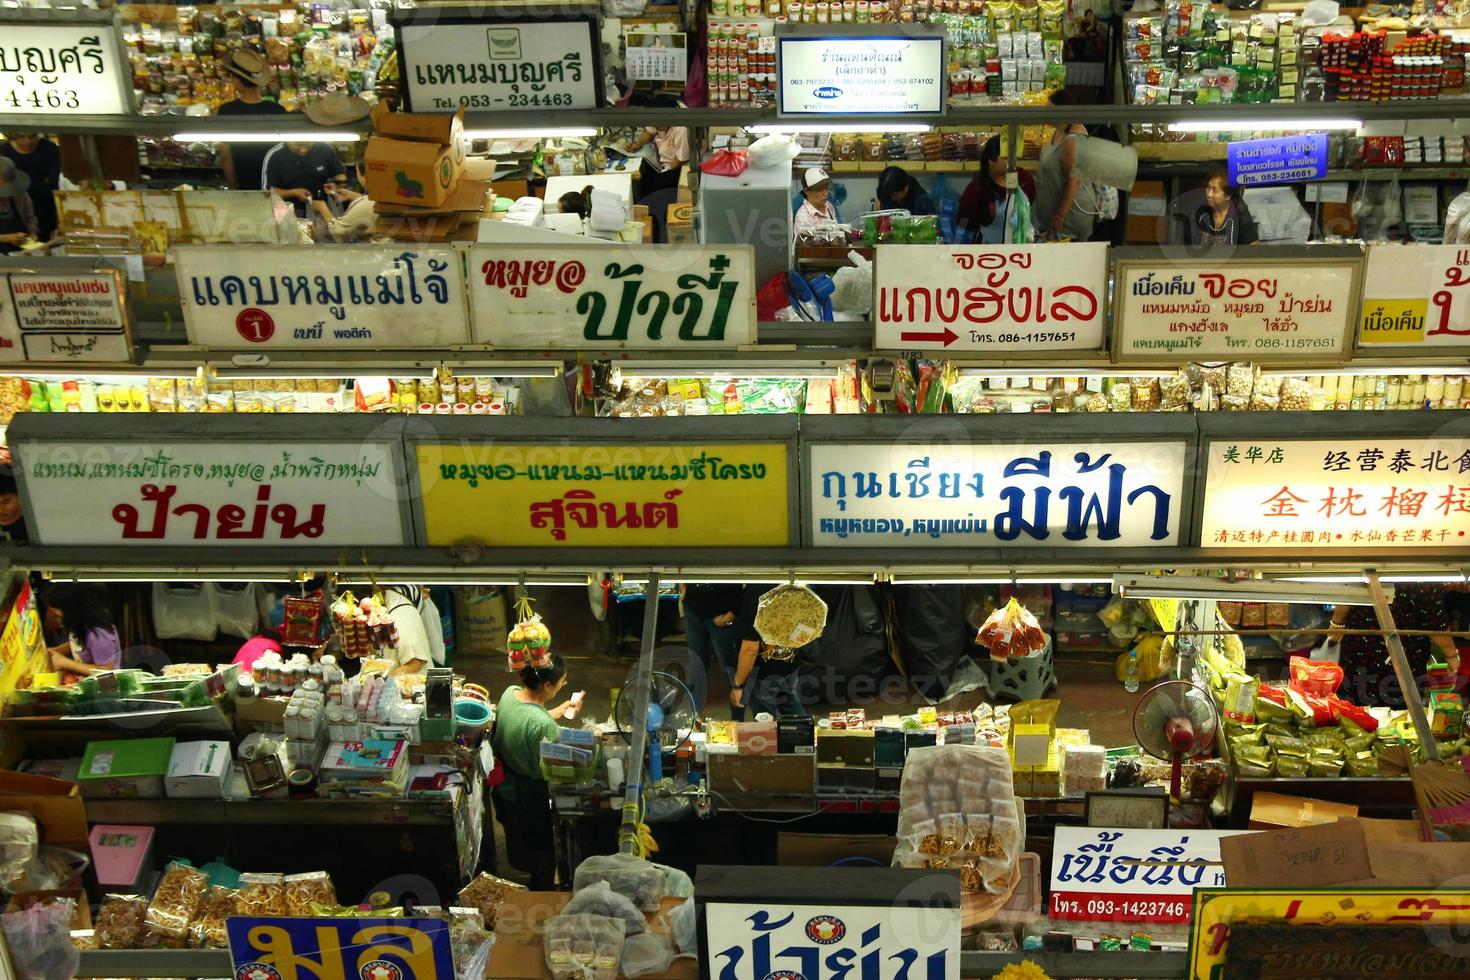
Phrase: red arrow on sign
pixel 946 338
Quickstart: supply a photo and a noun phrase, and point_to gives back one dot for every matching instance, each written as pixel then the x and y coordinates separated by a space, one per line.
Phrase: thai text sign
pixel 58 68
pixel 614 296
pixel 74 316
pixel 1409 297
pixel 1216 910
pixel 563 495
pixel 246 494
pixel 1001 299
pixel 452 62
pixel 785 942
pixel 1281 160
pixel 1102 875
pixel 339 949
pixel 1234 309
pixel 1122 494
pixel 347 296
pixel 22 646
pixel 1391 494
pixel 860 75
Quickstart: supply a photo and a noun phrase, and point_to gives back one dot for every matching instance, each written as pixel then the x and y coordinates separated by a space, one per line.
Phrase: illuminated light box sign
pixel 861 75
pixel 1281 160
pixel 1414 297
pixel 68 62
pixel 1104 875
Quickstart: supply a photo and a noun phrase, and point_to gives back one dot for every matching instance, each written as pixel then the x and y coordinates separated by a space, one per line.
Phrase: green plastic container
pixel 131 768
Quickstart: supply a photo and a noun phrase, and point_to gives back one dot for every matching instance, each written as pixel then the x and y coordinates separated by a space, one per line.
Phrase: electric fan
pixel 1175 720
pixel 670 716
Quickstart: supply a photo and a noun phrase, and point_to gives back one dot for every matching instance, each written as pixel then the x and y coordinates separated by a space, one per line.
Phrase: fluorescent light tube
pixel 1267 125
pixel 103 376
pixel 1064 581
pixel 919 580
pixel 791 129
pixel 1197 587
pixel 546 132
pixel 303 136
pixel 674 373
pixel 1404 368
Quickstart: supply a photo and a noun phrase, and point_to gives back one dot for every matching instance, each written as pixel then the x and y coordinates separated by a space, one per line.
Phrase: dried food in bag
pixel 1296 395
pixel 1240 381
pixel 1174 392
pixel 1146 394
pixel 487 893
pixel 208 929
pixel 175 902
pixel 304 890
pixel 790 616
pixel 121 923
pixel 262 894
pixel 1011 631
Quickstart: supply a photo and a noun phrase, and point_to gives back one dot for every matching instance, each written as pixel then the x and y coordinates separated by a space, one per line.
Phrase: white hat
pixel 813 177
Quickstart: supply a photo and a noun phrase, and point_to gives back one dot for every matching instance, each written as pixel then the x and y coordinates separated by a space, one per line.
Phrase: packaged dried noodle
pixel 175 903
pixel 208 929
pixel 304 890
pixel 262 894
pixel 121 922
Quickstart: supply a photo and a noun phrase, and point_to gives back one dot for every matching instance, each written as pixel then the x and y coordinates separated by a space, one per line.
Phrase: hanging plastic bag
pixel 529 641
pixel 1011 631
pixel 40 942
pixel 236 611
pixel 726 163
pixel 1315 677
pixel 183 612
pixel 1330 652
pixel 774 150
pixel 852 290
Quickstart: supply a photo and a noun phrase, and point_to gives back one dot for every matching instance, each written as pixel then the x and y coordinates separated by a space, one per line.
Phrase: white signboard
pixel 861 75
pixel 1391 494
pixel 1415 297
pixel 1102 875
pixel 999 299
pixel 472 62
pixel 613 296
pixel 1064 495
pixel 804 942
pixel 1258 310
pixel 242 494
pixel 67 317
pixel 344 296
pixel 63 68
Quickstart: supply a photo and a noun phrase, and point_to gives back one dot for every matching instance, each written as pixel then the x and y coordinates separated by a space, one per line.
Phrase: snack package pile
pixel 957 810
pixel 1010 632
pixel 487 893
pixel 583 947
pixel 529 641
pixel 362 625
pixel 175 903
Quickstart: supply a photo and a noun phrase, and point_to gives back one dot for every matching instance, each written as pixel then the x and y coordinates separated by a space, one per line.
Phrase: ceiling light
pixel 675 374
pixel 921 580
pixel 1064 581
pixel 794 129
pixel 111 375
pixel 543 133
pixel 1267 125
pixel 1195 587
pixel 1053 371
pixel 304 136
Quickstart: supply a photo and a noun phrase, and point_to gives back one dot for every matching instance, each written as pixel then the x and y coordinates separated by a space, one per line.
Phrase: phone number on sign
pixel 1122 909
pixel 977 337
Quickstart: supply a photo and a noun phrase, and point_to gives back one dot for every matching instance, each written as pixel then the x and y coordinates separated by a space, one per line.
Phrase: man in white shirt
pixel 815 209
pixel 420 632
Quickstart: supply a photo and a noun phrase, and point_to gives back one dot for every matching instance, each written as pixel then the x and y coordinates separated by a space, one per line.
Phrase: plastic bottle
pixel 1131 673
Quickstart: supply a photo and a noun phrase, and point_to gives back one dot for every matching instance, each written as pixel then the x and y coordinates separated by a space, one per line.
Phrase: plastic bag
pixel 19 841
pixel 1315 677
pixel 1011 631
pixel 1328 653
pixel 53 868
pixel 587 947
pixel 646 954
pixel 853 286
pixel 40 942
pixel 637 879
pixel 684 924
pixel 236 611
pixel 775 150
pixel 790 616
pixel 183 612
pixel 726 163
pixel 599 899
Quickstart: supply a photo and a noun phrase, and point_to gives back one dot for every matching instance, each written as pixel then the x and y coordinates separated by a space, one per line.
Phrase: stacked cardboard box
pixel 422 186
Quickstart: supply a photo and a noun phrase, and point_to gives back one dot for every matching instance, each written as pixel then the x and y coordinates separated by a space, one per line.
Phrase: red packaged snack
pixel 1011 631
pixel 1356 714
pixel 1315 677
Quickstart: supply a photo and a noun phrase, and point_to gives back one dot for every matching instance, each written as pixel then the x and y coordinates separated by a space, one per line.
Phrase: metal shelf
pixel 286 812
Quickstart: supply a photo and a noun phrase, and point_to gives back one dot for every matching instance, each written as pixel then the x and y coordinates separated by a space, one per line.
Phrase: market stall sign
pixel 1283 309
pixel 861 75
pixel 1280 160
pixel 244 494
pixel 1217 910
pixel 1101 875
pixel 22 645
pixel 790 942
pixel 1001 299
pixel 460 58
pixel 62 67
pixel 280 948
pixel 1391 494
pixel 680 495
pixel 264 298
pixel 1409 294
pixel 64 317
pixel 996 495
pixel 613 296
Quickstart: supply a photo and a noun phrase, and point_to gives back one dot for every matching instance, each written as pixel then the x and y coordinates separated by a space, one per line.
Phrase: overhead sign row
pixel 903 484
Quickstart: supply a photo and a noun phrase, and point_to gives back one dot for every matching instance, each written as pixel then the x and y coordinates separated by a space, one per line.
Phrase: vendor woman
pixel 91 639
pixel 522 802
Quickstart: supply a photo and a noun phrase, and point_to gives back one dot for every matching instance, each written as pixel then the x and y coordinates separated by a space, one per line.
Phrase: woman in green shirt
pixel 522 802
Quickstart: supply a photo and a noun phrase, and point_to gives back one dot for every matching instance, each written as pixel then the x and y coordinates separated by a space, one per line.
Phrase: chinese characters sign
pixel 1132 875
pixel 1412 297
pixel 244 494
pixel 1000 299
pixel 512 495
pixel 1282 160
pixel 51 68
pixel 63 317
pixel 744 942
pixel 860 75
pixel 339 949
pixel 348 296
pixel 1234 309
pixel 1389 493
pixel 1122 494
pixel 614 296
pixel 457 60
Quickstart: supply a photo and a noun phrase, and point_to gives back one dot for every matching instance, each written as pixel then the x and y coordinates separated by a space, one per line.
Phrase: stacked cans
pixel 742 65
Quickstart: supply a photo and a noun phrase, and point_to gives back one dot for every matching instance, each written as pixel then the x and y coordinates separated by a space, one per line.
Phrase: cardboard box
pixel 779 782
pixel 1346 853
pixel 679 223
pixel 756 737
pixel 198 770
pixel 1272 810
pixel 122 858
pixel 419 127
pixel 55 805
pixel 414 159
pixel 1146 209
pixel 858 750
pixel 127 769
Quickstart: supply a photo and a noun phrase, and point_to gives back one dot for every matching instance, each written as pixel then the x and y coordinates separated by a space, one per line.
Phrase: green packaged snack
pixel 1255 761
pixel 1329 737
pixel 1294 766
pixel 1238 734
pixel 1362 764
pixel 1327 767
pixel 1109 944
pixel 1360 743
pixel 1289 746
pixel 1269 711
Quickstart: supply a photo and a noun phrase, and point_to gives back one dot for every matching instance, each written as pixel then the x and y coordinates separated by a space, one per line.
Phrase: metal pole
pixel 1401 667
pixel 641 684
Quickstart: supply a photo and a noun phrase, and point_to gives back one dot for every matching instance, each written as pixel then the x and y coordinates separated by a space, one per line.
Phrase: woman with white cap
pixel 815 209
pixel 17 215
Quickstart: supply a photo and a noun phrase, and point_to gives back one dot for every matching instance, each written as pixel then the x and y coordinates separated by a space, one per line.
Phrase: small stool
pixel 1022 678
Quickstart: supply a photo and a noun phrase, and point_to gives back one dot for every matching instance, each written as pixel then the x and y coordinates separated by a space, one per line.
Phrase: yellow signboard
pixel 22 646
pixel 1215 909
pixel 1393 321
pixel 674 495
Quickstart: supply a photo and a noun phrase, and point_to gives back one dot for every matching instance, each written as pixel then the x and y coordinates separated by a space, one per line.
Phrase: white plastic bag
pixel 1330 651
pixel 236 611
pixel 684 924
pixel 853 286
pixel 1457 220
pixel 647 954
pixel 183 612
pixel 774 150
pixel 40 942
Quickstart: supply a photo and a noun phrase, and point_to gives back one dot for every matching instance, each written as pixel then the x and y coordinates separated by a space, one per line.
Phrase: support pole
pixel 1401 668
pixel 641 685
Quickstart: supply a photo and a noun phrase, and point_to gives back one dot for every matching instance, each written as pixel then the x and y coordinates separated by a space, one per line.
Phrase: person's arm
pixel 749 651
pixel 560 711
pixel 1445 644
pixel 60 661
pixel 227 164
pixel 1070 184
pixel 1339 622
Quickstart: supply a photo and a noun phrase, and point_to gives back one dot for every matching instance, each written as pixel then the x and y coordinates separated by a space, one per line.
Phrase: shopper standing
pixel 17 217
pixel 91 642
pixel 40 160
pixel 1222 219
pixel 983 215
pixel 1066 205
pixel 762 683
pixel 1368 676
pixel 709 629
pixel 242 162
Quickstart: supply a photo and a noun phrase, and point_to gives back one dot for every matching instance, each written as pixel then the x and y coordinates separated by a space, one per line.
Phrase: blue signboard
pixel 1283 160
pixel 340 949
